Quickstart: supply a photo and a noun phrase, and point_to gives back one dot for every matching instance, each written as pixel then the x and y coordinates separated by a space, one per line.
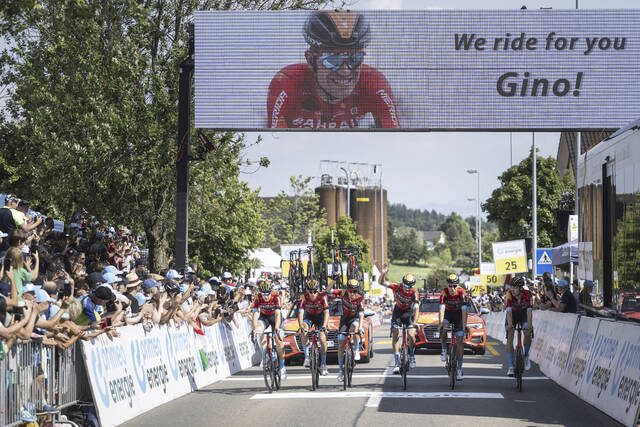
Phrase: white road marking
pixel 376 394
pixel 383 375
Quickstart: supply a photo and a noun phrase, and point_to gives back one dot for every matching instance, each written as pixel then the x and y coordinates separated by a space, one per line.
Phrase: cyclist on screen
pixel 334 88
pixel 519 312
pixel 453 310
pixel 314 311
pixel 266 313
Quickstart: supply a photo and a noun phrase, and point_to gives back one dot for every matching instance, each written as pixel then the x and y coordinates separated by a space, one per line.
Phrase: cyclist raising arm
pixel 453 310
pixel 314 311
pixel 519 312
pixel 266 313
pixel 405 312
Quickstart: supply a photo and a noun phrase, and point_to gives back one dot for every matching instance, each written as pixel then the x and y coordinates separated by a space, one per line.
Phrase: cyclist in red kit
pixel 405 312
pixel 334 89
pixel 453 310
pixel 351 320
pixel 314 311
pixel 519 312
pixel 266 313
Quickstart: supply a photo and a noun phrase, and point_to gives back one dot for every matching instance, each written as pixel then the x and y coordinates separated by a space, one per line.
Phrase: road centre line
pixel 308 377
pixel 376 394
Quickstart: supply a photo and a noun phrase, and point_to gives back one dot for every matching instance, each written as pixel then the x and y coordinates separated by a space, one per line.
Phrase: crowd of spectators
pixel 59 286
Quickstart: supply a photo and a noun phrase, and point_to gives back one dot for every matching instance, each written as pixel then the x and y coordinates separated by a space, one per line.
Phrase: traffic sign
pixel 544 263
pixel 510 257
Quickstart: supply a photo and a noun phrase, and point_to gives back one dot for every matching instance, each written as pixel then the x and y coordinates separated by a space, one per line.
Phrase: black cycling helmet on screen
pixel 312 285
pixel 353 285
pixel 329 29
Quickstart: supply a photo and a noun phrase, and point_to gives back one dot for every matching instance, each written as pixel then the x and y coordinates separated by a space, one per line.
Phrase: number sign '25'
pixel 510 257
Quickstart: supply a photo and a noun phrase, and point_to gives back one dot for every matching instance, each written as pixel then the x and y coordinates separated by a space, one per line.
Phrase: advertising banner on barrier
pixel 139 370
pixel 417 69
pixel 612 379
pixel 571 378
pixel 560 344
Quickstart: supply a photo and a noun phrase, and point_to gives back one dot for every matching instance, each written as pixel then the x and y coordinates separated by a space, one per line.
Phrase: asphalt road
pixel 486 397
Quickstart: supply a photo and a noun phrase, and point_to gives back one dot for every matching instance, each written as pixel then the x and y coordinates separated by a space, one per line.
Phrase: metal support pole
pixel 511 147
pixel 381 221
pixel 534 201
pixel 479 228
pixel 348 190
pixel 182 163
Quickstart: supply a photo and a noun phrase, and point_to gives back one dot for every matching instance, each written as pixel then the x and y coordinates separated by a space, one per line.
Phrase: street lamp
pixel 478 221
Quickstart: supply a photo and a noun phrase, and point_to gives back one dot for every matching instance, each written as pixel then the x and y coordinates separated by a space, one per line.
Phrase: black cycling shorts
pixel 314 320
pixel 454 318
pixel 346 322
pixel 400 318
pixel 268 321
pixel 519 318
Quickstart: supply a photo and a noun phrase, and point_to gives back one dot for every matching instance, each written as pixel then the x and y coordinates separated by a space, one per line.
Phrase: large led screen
pixel 417 70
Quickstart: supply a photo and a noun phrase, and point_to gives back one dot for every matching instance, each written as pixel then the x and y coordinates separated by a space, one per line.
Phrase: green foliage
pixel 459 240
pixel 626 250
pixel 290 216
pixel 405 244
pixel 510 205
pixel 91 121
pixel 397 270
pixel 344 235
pixel 399 215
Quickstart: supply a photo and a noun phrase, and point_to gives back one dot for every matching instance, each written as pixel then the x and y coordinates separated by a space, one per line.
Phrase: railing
pixel 36 374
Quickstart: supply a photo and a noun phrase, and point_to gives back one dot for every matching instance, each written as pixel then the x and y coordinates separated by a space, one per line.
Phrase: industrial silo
pixel 327 195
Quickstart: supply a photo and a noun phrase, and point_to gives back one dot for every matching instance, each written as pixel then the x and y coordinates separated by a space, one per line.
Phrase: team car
pixel 293 346
pixel 630 306
pixel 428 326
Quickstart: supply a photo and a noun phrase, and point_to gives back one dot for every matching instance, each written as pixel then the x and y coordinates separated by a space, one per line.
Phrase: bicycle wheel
pixel 404 366
pixel 276 370
pixel 351 368
pixel 347 366
pixel 519 368
pixel 314 367
pixel 453 365
pixel 267 366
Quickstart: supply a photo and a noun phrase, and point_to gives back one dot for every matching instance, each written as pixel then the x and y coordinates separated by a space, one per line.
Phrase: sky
pixel 421 170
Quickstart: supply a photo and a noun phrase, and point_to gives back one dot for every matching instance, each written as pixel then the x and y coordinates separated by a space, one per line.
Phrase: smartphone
pixel 7 264
pixel 67 289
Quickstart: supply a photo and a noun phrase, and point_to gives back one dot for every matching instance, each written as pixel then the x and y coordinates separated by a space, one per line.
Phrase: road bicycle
pixel 336 267
pixel 349 360
pixel 452 356
pixel 314 356
pixel 270 366
pixel 519 358
pixel 295 278
pixel 404 355
pixel 354 269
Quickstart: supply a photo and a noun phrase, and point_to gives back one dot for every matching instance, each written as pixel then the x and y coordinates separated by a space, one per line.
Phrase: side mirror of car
pixel 369 313
pixel 484 310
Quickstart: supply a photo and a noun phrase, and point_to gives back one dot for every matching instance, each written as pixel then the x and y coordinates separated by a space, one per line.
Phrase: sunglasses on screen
pixel 333 61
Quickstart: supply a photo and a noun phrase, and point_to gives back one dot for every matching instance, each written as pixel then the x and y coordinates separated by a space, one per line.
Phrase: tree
pixel 406 245
pixel 459 240
pixel 626 250
pixel 290 216
pixel 510 205
pixel 91 119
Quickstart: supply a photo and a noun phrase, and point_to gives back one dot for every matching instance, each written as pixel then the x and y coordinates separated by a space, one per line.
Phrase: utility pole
pixel 534 202
pixel 182 163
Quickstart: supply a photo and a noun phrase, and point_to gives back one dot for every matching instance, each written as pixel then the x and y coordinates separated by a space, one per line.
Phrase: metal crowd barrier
pixel 38 374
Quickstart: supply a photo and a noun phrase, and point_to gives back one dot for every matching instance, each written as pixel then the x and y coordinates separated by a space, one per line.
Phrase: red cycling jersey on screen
pixel 269 306
pixel 295 101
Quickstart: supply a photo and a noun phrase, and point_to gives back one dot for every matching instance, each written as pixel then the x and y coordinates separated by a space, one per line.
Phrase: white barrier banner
pixel 542 327
pixel 565 325
pixel 585 335
pixel 139 370
pixel 612 379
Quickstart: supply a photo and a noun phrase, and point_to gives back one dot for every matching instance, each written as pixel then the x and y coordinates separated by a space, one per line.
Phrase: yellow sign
pixel 491 280
pixel 286 264
pixel 362 199
pixel 376 292
pixel 476 289
pixel 510 257
pixel 512 265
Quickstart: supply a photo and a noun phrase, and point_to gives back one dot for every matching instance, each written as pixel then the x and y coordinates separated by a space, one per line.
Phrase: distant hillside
pixel 399 216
